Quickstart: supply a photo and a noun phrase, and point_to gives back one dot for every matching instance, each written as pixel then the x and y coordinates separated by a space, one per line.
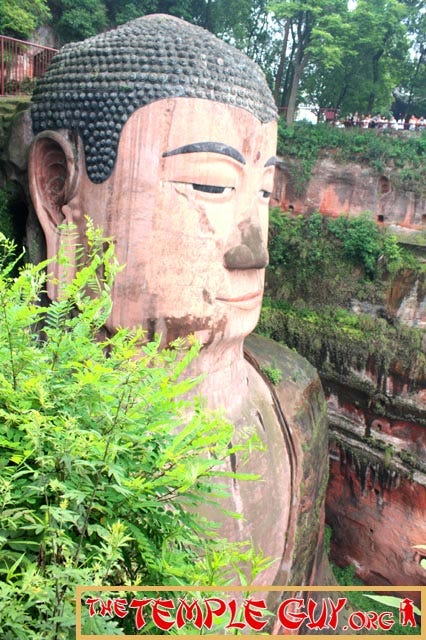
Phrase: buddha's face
pixel 187 205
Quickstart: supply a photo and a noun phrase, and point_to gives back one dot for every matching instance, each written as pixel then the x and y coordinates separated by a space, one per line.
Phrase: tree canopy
pixel 353 56
pixel 20 17
pixel 373 60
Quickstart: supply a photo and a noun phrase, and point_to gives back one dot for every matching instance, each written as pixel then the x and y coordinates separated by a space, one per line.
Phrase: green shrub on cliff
pixel 364 243
pixel 321 260
pixel 19 18
pixel 320 268
pixel 102 460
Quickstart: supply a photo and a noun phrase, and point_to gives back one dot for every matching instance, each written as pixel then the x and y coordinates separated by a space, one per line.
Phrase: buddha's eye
pixel 210 188
pixel 264 194
pixel 214 192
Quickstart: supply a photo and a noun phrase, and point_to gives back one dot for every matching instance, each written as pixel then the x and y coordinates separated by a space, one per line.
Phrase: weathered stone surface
pixel 350 188
pixel 376 521
pixel 406 298
pixel 376 497
pixel 20 140
pixel 299 400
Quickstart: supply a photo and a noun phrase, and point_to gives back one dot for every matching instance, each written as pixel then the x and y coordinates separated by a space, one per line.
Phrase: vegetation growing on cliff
pixel 20 17
pixel 321 271
pixel 315 259
pixel 403 157
pixel 336 341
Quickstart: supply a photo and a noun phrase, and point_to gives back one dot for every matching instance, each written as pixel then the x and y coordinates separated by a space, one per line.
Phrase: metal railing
pixel 21 64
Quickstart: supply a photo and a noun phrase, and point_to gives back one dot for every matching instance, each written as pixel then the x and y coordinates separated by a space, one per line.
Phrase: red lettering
pixel 120 607
pixel 208 620
pixel 163 623
pixel 91 602
pixel 335 608
pixel 386 620
pixel 189 610
pixel 296 618
pixel 356 626
pixel 321 622
pixel 372 618
pixel 139 605
pixel 234 624
pixel 251 615
pixel 106 608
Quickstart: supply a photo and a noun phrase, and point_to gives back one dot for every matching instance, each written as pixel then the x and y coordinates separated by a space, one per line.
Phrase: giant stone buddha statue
pixel 165 136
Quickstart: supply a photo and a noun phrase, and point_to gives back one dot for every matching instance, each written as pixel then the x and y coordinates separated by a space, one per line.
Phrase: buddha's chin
pixel 242 318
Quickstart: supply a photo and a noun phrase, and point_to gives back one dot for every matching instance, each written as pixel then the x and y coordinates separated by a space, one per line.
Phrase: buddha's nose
pixel 251 253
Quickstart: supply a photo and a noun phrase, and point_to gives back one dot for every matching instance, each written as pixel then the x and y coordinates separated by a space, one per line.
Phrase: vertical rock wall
pixel 350 188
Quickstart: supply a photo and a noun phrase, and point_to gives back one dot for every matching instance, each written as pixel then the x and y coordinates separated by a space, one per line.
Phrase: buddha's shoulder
pixel 293 381
pixel 299 404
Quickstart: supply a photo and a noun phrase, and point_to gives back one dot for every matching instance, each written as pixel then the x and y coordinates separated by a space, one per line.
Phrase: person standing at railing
pixel 393 124
pixel 412 123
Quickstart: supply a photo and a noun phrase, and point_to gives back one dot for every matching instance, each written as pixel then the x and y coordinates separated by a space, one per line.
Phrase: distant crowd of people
pixel 381 122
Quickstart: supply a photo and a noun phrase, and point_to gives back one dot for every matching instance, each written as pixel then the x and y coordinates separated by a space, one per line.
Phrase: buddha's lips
pixel 248 296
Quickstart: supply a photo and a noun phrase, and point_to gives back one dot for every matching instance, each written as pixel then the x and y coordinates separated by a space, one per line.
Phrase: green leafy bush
pixel 102 459
pixel 361 239
pixel 317 260
pixel 272 373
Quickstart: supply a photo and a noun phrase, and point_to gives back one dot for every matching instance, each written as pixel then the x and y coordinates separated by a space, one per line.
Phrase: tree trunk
pixel 300 62
pixel 299 66
pixel 342 94
pixel 420 61
pixel 291 109
pixel 288 77
pixel 376 74
pixel 208 21
pixel 280 71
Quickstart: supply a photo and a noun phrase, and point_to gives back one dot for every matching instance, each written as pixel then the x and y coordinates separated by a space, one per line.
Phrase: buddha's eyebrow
pixel 271 162
pixel 209 147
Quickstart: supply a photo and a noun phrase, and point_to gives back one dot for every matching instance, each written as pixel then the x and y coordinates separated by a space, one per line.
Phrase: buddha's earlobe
pixel 53 171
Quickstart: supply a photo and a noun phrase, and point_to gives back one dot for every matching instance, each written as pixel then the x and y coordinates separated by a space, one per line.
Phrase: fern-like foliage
pixel 102 458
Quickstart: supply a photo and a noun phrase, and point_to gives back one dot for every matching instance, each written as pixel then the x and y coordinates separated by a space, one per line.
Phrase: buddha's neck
pixel 225 376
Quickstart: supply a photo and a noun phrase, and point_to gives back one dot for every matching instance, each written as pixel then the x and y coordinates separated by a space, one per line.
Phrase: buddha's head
pixel 165 137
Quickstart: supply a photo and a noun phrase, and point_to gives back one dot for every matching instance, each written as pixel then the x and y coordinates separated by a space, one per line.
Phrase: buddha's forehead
pixel 94 86
pixel 180 126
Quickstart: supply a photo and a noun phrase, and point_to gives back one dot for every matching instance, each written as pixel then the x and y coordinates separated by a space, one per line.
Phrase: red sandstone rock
pixel 376 524
pixel 350 188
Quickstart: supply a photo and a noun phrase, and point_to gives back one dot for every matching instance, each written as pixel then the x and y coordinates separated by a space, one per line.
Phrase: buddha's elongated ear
pixel 53 171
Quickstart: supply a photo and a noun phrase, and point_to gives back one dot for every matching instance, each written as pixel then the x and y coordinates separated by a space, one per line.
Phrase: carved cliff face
pixel 187 205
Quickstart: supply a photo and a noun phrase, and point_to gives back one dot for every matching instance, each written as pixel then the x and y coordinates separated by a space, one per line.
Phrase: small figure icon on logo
pixel 406 613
